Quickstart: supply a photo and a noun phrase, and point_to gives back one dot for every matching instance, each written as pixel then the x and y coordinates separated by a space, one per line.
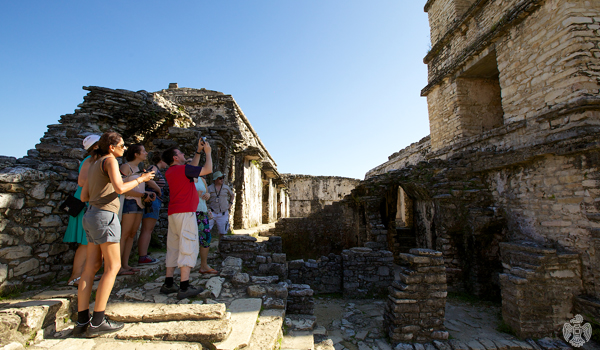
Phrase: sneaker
pixel 107 326
pixel 168 290
pixel 80 328
pixel 146 260
pixel 190 292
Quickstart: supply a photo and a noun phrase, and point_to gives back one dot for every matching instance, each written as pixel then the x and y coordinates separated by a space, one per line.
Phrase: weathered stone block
pixel 26 266
pixel 18 252
pixel 11 200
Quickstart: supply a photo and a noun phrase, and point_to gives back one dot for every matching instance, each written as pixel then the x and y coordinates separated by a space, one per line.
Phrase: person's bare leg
pixel 185 273
pixel 92 265
pixel 78 262
pixel 112 265
pixel 170 271
pixel 204 259
pixel 129 226
pixel 145 236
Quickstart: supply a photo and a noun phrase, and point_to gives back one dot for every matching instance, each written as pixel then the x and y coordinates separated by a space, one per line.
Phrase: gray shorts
pixel 101 226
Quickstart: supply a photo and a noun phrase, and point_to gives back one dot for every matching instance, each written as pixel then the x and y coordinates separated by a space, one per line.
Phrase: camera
pixel 203 138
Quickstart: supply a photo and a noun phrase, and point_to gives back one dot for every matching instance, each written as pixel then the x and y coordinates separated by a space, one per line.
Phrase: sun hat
pixel 217 175
pixel 90 141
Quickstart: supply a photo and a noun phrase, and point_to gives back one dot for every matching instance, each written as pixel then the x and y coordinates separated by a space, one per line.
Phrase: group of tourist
pixel 103 237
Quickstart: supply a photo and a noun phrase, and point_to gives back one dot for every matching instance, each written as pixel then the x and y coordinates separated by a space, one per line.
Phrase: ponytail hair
pixel 109 138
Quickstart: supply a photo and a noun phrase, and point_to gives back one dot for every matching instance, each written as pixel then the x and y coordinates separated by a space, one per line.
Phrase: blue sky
pixel 332 87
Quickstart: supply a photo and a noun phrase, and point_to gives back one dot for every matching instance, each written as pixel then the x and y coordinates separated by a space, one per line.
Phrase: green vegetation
pixel 12 292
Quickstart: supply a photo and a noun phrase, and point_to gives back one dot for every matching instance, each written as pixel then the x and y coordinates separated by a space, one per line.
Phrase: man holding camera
pixel 221 199
pixel 182 236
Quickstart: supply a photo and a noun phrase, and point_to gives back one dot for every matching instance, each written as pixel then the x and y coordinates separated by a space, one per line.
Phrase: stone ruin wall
pixel 411 155
pixel 541 53
pixel 33 187
pixel 535 156
pixel 525 170
pixel 309 194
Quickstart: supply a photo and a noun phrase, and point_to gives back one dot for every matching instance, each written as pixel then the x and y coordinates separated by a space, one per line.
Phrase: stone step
pixel 267 332
pixel 40 315
pixel 205 332
pixel 244 313
pixel 146 312
pixel 298 340
pixel 111 344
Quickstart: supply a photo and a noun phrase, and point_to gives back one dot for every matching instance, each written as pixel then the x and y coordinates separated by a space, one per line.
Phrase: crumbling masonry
pixel 32 187
pixel 505 191
pixel 507 186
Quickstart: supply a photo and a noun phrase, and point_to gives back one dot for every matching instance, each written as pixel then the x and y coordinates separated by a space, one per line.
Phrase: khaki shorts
pixel 182 240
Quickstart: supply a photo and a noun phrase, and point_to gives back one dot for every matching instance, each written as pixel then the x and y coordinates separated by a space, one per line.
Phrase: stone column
pixel 417 302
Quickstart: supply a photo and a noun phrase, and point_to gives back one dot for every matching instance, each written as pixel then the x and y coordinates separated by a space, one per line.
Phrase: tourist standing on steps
pixel 182 236
pixel 221 199
pixel 103 230
pixel 203 226
pixel 75 232
pixel 151 216
pixel 134 203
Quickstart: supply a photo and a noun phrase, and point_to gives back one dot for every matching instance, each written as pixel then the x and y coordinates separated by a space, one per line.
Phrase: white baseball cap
pixel 90 141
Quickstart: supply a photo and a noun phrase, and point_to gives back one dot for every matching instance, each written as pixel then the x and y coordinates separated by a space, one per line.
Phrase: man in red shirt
pixel 182 236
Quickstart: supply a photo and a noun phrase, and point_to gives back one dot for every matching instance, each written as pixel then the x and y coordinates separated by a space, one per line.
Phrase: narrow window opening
pixel 479 97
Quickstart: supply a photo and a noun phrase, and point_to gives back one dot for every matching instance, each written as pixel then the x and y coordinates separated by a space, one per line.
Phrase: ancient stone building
pixel 309 194
pixel 507 185
pixel 33 187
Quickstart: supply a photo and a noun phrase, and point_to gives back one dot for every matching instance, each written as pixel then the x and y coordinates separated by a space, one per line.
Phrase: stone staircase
pixel 235 311
pixel 45 324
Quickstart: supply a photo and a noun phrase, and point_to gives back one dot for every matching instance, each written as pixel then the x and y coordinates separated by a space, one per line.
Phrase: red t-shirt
pixel 182 191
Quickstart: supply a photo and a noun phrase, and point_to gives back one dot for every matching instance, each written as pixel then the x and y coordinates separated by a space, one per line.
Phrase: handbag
pixel 72 206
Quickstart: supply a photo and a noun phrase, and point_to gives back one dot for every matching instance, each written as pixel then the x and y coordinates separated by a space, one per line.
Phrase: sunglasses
pixel 121 146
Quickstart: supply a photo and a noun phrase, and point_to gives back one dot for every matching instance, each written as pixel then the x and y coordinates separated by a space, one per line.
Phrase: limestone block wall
pixel 550 59
pixel 410 155
pixel 539 286
pixel 263 258
pixel 332 230
pixel 554 200
pixel 358 272
pixel 541 54
pixel 443 14
pixel 324 275
pixel 366 271
pixel 309 194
